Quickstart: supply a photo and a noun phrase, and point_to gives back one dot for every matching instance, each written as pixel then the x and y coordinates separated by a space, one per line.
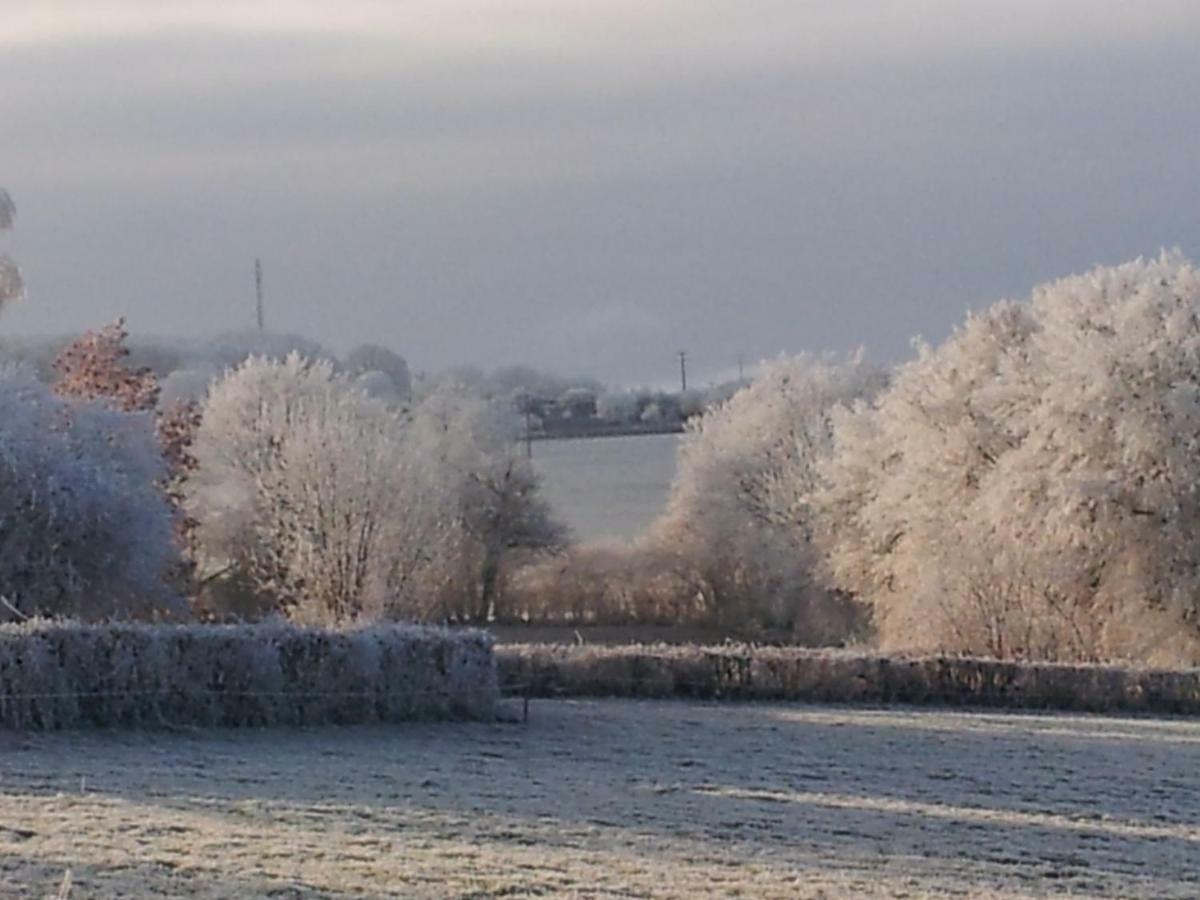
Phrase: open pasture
pixel 613 798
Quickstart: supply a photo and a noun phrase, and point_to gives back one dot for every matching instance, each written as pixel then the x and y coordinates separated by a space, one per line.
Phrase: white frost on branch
pixel 737 519
pixel 468 445
pixel 1029 488
pixel 84 529
pixel 11 286
pixel 340 507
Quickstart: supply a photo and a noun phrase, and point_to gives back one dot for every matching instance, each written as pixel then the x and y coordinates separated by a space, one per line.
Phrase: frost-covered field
pixel 615 799
pixel 611 487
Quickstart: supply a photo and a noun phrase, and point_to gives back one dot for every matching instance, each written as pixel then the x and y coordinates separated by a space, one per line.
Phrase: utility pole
pixel 258 294
pixel 682 370
pixel 741 364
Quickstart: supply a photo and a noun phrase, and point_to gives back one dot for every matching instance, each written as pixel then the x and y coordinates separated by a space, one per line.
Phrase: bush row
pixel 743 672
pixel 69 675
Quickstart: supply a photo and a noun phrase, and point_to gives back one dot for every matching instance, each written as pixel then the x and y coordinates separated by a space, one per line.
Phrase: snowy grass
pixel 613 798
pixel 745 672
pixel 68 675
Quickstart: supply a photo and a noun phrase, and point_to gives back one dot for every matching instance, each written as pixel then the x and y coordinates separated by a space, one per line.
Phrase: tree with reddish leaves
pixel 177 426
pixel 176 429
pixel 93 368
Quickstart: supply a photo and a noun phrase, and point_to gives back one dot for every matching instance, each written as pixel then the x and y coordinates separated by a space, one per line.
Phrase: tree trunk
pixel 488 582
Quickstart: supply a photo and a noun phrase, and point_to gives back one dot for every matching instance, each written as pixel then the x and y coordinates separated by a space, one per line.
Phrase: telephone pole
pixel 741 367
pixel 258 294
pixel 682 370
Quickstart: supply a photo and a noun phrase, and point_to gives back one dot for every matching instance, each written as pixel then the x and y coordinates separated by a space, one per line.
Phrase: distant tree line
pixel 186 367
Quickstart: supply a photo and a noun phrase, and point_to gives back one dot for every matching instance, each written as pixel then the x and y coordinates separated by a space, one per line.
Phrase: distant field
pixel 607 487
pixel 614 799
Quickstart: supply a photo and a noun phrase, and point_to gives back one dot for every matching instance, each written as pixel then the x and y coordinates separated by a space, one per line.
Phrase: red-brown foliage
pixel 93 368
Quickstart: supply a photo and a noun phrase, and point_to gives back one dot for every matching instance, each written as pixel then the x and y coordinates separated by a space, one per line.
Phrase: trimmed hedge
pixel 68 675
pixel 739 672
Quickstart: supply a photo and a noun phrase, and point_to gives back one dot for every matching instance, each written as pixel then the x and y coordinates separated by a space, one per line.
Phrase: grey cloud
pixel 596 207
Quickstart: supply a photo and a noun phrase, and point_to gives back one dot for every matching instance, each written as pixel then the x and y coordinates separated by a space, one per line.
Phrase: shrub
pixel 742 672
pixel 604 583
pixel 84 529
pixel 71 675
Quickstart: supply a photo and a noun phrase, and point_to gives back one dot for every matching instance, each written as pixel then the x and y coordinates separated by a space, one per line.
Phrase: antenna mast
pixel 258 294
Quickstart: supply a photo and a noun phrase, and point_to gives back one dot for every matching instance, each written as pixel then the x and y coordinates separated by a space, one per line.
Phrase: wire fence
pixel 214 692
pixel 67 675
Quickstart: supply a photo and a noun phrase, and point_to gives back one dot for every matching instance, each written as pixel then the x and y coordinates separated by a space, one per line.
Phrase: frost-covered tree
pixel 379 386
pixel 651 414
pixel 188 385
pixel 84 529
pixel 578 403
pixel 336 506
pixel 198 360
pixel 543 385
pixel 231 349
pixel 10 276
pixel 373 360
pixel 617 406
pixel 643 404
pixel 691 403
pixel 96 367
pixel 737 518
pixel 1029 488
pixel 469 444
pixel 470 378
pixel 297 487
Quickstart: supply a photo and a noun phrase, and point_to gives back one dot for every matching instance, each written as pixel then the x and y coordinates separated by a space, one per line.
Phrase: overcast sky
pixel 587 185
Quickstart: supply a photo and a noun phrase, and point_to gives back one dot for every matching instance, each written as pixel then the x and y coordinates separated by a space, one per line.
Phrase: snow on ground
pixel 614 799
